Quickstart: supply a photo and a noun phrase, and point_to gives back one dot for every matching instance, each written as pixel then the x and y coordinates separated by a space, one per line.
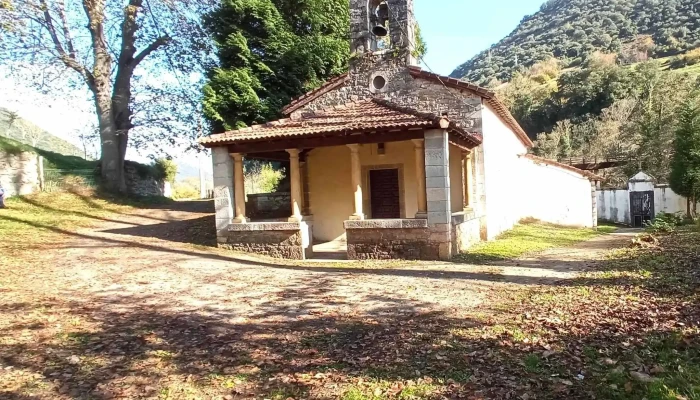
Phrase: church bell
pixel 382 17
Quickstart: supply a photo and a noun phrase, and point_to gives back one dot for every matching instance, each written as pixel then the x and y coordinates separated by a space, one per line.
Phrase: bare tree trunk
pixel 111 101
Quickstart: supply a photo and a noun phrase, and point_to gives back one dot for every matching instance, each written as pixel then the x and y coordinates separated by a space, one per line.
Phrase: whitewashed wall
pixel 557 195
pixel 668 201
pixel 614 205
pixel 19 173
pixel 502 174
pixel 518 187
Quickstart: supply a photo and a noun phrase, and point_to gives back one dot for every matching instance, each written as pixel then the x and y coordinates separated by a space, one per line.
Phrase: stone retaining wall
pixel 143 185
pixel 290 240
pixel 19 173
pixel 407 239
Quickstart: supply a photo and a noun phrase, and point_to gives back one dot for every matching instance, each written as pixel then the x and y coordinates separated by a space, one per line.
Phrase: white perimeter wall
pixel 614 204
pixel 557 195
pixel 517 187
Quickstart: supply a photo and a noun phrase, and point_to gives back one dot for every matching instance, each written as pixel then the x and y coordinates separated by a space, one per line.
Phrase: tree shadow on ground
pixel 443 272
pixel 199 231
pixel 128 346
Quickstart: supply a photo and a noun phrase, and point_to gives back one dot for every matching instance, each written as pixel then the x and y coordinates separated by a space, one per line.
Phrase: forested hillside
pixel 605 110
pixel 14 127
pixel 571 30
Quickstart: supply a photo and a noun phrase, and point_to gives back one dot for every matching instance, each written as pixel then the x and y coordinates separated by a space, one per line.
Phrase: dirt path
pixel 130 310
pixel 146 256
pixel 565 263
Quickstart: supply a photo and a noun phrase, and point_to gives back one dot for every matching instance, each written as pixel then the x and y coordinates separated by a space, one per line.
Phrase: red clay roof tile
pixel 369 115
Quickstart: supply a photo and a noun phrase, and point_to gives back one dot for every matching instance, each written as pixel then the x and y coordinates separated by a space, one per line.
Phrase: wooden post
pixel 419 149
pixel 356 176
pixel 239 188
pixel 295 180
pixel 41 173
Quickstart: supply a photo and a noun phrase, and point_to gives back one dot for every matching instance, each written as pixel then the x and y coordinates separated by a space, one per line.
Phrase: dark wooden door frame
pixel 367 192
pixel 391 196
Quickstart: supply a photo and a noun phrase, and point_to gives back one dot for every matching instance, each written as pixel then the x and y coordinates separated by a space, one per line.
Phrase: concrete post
pixel 239 188
pixel 223 189
pixel 295 181
pixel 356 175
pixel 419 149
pixel 437 172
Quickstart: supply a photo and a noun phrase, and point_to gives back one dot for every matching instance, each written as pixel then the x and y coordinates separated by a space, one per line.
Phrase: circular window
pixel 379 82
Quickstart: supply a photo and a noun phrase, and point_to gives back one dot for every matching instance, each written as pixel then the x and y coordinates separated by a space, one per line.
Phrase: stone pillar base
pixel 359 217
pixel 240 220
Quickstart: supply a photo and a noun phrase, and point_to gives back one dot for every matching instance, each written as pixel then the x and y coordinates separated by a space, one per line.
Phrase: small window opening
pixel 381 149
pixel 379 82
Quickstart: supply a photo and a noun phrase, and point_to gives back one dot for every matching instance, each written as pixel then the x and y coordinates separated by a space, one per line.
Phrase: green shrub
pixel 165 169
pixel 685 60
pixel 665 223
pixel 187 189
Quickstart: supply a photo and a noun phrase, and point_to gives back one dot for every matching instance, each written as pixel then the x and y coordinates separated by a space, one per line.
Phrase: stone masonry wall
pixel 142 186
pixel 279 240
pixel 403 90
pixel 19 173
pixel 390 244
pixel 405 239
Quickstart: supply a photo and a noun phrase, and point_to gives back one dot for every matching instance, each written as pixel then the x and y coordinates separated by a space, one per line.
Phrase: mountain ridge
pixel 14 127
pixel 572 30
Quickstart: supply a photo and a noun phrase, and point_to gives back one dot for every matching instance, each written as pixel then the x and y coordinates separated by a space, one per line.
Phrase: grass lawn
pixel 38 218
pixel 530 238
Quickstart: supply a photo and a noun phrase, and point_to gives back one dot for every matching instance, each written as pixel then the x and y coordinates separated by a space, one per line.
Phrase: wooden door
pixel 385 199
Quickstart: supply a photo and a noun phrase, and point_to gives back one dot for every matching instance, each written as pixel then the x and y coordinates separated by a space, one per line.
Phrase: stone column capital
pixel 237 156
pixel 354 147
pixel 293 152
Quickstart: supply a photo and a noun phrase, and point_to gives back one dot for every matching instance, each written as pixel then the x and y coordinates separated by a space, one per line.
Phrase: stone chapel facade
pixel 395 161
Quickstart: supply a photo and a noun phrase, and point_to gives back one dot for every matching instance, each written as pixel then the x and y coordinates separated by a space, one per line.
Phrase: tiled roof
pixel 589 175
pixel 489 96
pixel 364 116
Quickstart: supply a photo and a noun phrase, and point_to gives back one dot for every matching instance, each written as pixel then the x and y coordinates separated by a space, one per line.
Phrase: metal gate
pixel 642 207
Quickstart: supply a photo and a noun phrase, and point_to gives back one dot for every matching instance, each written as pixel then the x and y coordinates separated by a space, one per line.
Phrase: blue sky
pixel 456 30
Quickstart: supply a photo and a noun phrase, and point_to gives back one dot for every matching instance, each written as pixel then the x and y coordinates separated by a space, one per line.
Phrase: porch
pixel 396 191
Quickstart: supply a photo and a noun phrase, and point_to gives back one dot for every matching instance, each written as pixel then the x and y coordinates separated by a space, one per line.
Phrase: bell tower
pixel 381 26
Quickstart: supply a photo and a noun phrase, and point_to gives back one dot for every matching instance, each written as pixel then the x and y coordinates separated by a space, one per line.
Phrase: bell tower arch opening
pixel 378 25
pixel 379 16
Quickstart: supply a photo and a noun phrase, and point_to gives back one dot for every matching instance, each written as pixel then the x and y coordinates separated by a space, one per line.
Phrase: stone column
pixel 239 188
pixel 295 181
pixel 419 149
pixel 468 180
pixel 356 177
pixel 437 172
pixel 223 190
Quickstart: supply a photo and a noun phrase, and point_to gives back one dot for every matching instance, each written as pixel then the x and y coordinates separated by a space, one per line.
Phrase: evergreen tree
pixel 271 51
pixel 685 165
